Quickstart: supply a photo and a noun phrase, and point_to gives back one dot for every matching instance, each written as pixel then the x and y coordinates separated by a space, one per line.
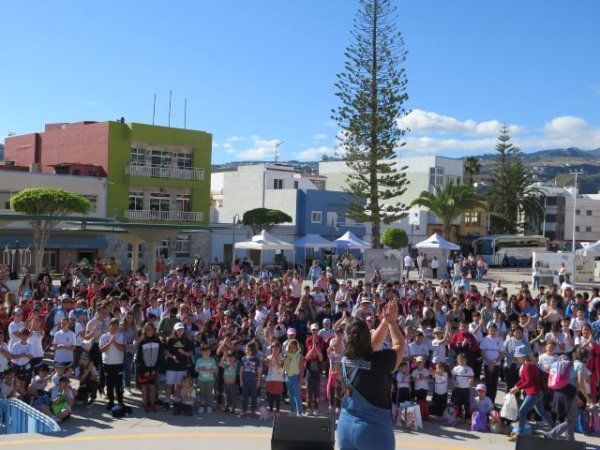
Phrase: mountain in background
pixel 549 166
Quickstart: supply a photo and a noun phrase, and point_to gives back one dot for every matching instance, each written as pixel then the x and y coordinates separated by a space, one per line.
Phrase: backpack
pixel 478 421
pixel 558 377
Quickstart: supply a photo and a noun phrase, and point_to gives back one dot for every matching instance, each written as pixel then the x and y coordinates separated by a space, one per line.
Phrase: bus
pixel 509 250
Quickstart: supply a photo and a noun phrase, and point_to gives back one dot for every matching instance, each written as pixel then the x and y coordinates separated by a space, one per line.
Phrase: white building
pixel 271 186
pixel 422 172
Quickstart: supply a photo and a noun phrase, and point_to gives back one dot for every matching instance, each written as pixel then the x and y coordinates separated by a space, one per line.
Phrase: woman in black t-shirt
pixel 366 417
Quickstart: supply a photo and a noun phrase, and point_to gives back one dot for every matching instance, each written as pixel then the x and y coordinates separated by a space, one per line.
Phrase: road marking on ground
pixel 204 434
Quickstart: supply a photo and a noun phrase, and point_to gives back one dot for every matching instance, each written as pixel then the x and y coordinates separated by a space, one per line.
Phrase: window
pixel 577 228
pixel 319 184
pixel 577 212
pixel 5 199
pixel 182 201
pixel 160 158
pixel 588 212
pixel 436 175
pixel 138 156
pixel 295 185
pixel 182 246
pixel 588 229
pixel 162 249
pixel 184 160
pixel 333 218
pixel 277 183
pixel 472 218
pixel 51 259
pixel 136 201
pixel 160 202
pixel 130 252
pixel 316 217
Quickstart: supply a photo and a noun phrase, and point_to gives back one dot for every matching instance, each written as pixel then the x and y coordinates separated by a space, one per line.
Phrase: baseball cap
pixel 314 326
pixel 291 331
pixel 179 326
pixel 326 320
pixel 481 387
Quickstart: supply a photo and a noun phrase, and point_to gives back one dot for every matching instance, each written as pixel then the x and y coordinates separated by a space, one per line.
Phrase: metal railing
pixel 165 172
pixel 19 417
pixel 174 216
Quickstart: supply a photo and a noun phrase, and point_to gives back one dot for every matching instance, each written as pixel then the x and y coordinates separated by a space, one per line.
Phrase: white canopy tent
pixel 264 241
pixel 349 241
pixel 313 241
pixel 436 241
pixel 592 249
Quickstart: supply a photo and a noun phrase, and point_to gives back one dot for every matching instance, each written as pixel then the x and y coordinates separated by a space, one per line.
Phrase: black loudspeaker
pixel 303 433
pixel 530 442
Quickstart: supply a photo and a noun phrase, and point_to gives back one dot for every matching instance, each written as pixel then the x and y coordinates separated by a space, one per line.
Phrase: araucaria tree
pixel 513 199
pixel 48 205
pixel 372 91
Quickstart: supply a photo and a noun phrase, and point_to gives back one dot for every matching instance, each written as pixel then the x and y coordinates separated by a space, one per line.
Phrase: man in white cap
pixel 326 333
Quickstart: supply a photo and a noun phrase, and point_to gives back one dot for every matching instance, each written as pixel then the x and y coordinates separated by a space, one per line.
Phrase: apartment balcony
pixel 164 216
pixel 165 172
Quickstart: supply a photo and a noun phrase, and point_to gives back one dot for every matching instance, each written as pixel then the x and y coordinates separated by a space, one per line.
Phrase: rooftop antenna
pixel 279 143
pixel 170 97
pixel 185 114
pixel 154 109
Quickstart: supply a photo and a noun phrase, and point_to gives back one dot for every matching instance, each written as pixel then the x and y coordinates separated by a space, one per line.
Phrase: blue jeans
pixel 294 394
pixel 533 402
pixel 249 394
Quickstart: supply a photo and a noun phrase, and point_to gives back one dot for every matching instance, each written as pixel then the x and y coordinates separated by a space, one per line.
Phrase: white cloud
pixel 421 122
pixel 436 133
pixel 310 154
pixel 260 148
pixel 319 137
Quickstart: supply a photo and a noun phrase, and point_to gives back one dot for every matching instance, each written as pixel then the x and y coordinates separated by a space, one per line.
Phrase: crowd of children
pixel 221 341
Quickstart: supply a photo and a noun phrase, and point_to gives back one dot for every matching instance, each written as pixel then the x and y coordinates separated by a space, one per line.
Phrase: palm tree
pixel 472 167
pixel 448 202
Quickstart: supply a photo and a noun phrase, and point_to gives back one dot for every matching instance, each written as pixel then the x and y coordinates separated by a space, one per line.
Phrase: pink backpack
pixel 558 377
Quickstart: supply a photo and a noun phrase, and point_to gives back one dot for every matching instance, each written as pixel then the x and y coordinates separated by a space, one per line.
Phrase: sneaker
pixel 242 414
pixel 208 410
pixel 315 412
pixel 110 406
pixel 330 409
pixel 337 410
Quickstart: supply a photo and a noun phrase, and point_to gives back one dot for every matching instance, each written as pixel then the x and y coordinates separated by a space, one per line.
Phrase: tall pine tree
pixel 514 200
pixel 372 90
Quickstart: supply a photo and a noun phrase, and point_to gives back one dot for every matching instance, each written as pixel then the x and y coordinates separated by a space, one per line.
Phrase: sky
pixel 260 74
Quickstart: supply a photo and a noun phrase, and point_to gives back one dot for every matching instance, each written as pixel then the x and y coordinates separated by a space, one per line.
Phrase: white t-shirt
pixel 13 329
pixel 421 378
pixel 113 355
pixel 61 337
pixel 545 361
pixel 462 376
pixel 479 334
pixel 415 349
pixel 440 383
pixel 37 346
pixel 3 359
pixel 402 380
pixel 492 347
pixel 20 349
pixel 576 325
pixel 79 333
pixel 439 351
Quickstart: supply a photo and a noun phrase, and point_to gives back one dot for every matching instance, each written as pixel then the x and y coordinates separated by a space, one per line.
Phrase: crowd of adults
pixel 215 338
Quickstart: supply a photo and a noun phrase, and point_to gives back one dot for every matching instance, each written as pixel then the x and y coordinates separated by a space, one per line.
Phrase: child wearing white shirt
pixel 462 377
pixel 402 383
pixel 440 390
pixel 420 376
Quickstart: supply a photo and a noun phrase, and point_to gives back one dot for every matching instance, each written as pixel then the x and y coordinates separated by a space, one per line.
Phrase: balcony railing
pixel 171 216
pixel 164 172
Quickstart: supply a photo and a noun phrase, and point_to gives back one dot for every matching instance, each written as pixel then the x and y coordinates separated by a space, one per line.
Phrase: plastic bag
pixel 510 408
